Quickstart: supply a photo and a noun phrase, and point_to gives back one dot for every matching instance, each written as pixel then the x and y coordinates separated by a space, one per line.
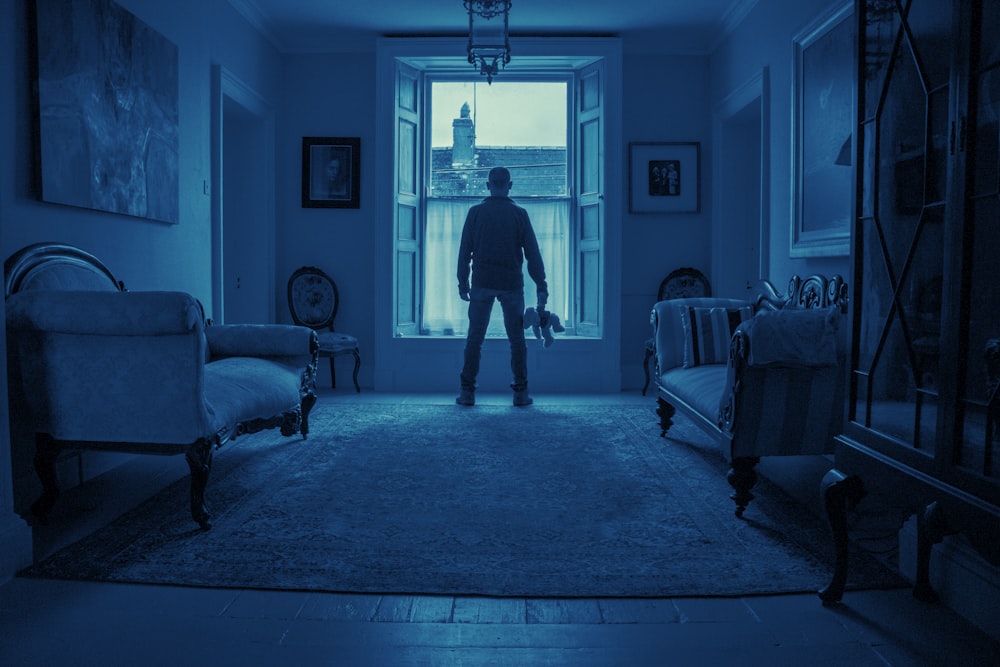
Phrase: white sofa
pixel 777 387
pixel 94 367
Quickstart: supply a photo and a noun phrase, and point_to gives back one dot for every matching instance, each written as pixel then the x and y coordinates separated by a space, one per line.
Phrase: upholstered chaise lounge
pixel 763 377
pixel 94 367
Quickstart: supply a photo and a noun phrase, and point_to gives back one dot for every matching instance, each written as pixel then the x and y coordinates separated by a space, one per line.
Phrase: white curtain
pixel 446 314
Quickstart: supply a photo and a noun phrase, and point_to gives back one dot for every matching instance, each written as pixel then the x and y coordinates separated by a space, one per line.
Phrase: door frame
pixel 755 91
pixel 225 85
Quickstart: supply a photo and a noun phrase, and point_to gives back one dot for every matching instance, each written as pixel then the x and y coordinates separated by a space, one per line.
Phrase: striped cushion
pixel 707 332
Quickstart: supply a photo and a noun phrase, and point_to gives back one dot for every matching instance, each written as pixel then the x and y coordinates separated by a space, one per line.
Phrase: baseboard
pixel 966 582
pixel 15 536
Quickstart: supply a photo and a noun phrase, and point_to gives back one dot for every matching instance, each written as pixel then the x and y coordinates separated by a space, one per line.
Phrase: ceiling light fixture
pixel 489 36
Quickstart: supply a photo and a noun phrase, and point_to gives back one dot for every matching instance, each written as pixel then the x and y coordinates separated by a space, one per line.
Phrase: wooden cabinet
pixel 923 406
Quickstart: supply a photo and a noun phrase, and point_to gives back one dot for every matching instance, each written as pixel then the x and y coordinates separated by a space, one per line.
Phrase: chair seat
pixel 331 342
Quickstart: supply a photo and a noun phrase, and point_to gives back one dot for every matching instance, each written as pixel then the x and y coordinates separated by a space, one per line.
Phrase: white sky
pixel 509 113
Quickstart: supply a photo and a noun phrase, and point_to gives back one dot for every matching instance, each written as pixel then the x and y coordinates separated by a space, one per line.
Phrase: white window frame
pixel 431 363
pixel 554 281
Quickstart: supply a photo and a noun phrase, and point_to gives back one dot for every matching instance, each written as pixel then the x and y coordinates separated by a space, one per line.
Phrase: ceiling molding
pixel 344 39
pixel 734 16
pixel 731 20
pixel 260 21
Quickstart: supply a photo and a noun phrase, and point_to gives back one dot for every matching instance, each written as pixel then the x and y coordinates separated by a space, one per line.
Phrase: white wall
pixel 334 95
pixel 764 39
pixel 329 95
pixel 665 99
pixel 146 255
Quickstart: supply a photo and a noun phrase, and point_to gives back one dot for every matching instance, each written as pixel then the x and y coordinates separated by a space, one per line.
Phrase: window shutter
pixel 408 218
pixel 589 219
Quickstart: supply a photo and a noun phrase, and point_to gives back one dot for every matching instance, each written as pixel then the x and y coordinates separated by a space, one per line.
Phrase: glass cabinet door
pixel 978 405
pixel 905 102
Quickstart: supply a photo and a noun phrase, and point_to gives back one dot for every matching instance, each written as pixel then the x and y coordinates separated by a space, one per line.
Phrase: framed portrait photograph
pixel 822 136
pixel 664 177
pixel 331 172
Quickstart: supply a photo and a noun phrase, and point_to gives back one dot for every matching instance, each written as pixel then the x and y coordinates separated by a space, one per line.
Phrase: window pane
pixel 520 125
pixel 444 312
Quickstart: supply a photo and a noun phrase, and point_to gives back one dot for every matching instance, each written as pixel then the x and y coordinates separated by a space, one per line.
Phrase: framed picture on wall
pixel 331 172
pixel 664 177
pixel 822 136
pixel 108 121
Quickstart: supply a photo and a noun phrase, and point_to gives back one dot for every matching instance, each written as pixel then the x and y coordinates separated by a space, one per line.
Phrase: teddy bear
pixel 543 324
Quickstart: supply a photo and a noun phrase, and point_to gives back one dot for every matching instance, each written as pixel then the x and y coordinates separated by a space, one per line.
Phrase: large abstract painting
pixel 107 104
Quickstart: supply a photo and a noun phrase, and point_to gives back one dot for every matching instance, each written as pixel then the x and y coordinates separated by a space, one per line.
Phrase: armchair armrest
pixel 88 312
pixel 793 337
pixel 261 340
pixel 110 366
pixel 789 400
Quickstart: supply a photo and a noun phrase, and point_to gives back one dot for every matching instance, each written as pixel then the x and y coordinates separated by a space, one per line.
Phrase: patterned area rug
pixel 493 500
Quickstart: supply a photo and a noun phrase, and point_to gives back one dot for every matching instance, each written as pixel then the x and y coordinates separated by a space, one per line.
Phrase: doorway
pixel 741 227
pixel 243 206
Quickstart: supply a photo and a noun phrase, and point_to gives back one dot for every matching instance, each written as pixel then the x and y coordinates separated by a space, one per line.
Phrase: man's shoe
pixel 466 398
pixel 521 398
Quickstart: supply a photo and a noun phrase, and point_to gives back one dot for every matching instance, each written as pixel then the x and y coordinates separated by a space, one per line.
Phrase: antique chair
pixel 313 299
pixel 683 283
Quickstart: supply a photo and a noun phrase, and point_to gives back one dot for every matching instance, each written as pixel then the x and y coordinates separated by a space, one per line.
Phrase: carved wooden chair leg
pixel 199 459
pixel 46 454
pixel 839 492
pixel 742 477
pixel 291 421
pixel 665 411
pixel 308 401
pixel 931 529
pixel 357 367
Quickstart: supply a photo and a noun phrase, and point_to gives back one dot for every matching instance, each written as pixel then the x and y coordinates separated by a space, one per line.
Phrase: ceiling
pixel 302 26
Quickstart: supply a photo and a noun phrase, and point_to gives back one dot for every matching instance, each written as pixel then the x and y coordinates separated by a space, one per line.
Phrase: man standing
pixel 496 239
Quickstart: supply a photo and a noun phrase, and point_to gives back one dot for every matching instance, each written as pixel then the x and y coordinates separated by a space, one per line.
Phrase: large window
pixel 474 127
pixel 451 129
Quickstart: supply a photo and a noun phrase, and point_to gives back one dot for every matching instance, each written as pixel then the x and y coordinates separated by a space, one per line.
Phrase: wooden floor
pixel 55 623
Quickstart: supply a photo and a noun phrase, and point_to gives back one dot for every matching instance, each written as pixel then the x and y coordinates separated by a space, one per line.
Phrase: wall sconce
pixel 489 37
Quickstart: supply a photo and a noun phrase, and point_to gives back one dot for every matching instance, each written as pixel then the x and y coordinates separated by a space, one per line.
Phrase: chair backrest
pixel 313 298
pixel 684 283
pixel 57 266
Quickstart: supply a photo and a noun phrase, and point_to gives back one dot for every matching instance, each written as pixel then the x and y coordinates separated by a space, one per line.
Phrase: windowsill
pixel 502 338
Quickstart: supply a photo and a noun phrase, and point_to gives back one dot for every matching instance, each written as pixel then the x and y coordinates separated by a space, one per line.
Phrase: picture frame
pixel 91 154
pixel 823 99
pixel 664 177
pixel 331 172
